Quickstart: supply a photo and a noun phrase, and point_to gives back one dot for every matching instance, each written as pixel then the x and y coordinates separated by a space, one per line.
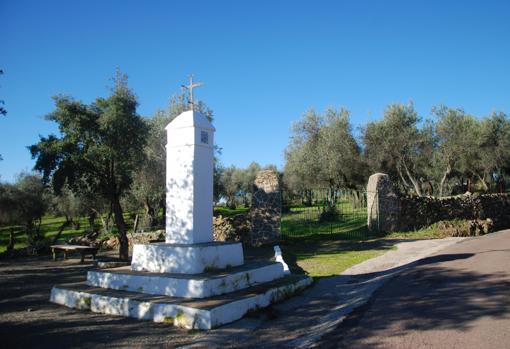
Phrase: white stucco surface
pixel 176 285
pixel 189 179
pixel 70 298
pixel 186 259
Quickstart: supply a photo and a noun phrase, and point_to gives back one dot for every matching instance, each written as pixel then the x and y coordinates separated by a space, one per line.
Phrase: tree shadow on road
pixel 427 297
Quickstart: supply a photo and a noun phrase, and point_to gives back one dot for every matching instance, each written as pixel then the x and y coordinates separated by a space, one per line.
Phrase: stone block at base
pixel 186 259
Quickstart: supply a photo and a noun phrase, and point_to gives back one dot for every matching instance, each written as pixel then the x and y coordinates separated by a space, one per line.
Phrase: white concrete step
pixel 188 313
pixel 187 285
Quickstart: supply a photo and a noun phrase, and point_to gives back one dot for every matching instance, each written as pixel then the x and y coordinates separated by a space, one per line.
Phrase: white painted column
pixel 189 179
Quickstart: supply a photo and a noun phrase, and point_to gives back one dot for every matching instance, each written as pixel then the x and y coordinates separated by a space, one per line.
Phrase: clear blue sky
pixel 263 62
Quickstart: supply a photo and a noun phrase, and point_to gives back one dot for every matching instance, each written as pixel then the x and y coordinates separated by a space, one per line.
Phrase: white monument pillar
pixel 189 247
pixel 189 179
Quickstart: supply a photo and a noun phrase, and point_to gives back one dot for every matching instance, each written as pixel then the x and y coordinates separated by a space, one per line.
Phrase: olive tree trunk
pixel 121 227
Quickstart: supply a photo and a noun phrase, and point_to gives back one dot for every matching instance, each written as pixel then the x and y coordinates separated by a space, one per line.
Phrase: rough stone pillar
pixel 383 204
pixel 265 209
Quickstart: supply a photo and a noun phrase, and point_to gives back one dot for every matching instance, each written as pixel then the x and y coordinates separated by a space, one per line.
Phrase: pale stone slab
pixel 186 259
pixel 186 285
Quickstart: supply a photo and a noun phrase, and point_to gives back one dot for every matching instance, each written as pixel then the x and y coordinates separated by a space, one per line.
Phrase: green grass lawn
pixel 331 257
pixel 303 222
pixel 325 248
pixel 227 212
pixel 328 248
pixel 49 228
pixel 324 255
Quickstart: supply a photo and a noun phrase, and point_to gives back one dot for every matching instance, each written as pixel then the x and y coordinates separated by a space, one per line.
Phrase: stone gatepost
pixel 265 209
pixel 383 204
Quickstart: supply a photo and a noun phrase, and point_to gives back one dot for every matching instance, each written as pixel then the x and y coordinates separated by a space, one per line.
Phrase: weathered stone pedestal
pixel 189 281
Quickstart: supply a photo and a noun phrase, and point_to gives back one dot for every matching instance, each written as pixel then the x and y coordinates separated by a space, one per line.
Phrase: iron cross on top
pixel 190 89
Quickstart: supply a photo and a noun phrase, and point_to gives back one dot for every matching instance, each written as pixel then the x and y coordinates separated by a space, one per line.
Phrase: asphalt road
pixel 457 298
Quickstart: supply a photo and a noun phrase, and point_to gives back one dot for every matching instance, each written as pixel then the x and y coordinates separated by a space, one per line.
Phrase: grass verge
pixel 433 231
pixel 331 257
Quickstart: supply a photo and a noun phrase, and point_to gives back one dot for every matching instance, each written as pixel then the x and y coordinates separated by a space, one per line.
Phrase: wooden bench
pixel 82 250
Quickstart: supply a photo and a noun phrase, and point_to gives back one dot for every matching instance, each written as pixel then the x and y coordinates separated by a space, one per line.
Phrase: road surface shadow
pixel 427 297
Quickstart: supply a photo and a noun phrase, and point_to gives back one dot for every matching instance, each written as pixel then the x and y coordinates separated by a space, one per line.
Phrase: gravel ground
pixel 29 320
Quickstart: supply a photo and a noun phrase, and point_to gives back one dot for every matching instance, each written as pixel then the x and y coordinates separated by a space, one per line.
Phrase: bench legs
pixel 82 255
pixel 82 258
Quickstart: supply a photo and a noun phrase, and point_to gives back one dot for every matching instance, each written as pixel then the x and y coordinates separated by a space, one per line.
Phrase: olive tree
pixel 494 144
pixel 99 148
pixel 458 144
pixel 25 202
pixel 397 146
pixel 323 152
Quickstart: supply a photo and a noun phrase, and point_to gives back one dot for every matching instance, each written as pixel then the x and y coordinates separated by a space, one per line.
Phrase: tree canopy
pixel 449 153
pixel 25 202
pixel 323 152
pixel 100 147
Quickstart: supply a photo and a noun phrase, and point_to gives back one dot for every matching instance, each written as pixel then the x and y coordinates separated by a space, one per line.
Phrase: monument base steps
pixel 188 313
pixel 187 285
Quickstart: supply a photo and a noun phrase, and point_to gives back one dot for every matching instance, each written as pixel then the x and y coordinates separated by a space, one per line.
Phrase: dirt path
pixel 29 320
pixel 458 298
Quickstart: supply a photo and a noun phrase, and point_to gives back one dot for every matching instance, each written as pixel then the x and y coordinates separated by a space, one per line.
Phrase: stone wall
pixel 417 212
pixel 235 228
pixel 136 238
pixel 387 211
pixel 265 210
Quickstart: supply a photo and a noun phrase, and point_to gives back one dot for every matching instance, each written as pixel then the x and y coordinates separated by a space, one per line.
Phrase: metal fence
pixel 338 212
